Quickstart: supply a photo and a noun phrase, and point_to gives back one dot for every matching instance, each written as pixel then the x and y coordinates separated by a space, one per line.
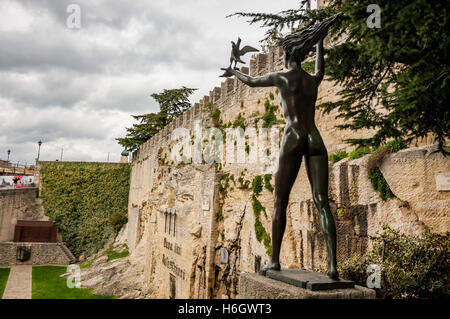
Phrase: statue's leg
pixel 289 162
pixel 317 170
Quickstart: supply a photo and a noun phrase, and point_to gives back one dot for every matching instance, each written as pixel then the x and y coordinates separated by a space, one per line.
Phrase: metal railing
pixel 17 164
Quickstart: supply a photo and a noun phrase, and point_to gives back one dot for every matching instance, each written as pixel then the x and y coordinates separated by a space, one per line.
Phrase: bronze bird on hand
pixel 236 54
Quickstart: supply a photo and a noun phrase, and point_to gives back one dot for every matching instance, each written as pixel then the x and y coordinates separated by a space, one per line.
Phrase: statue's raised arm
pixel 260 81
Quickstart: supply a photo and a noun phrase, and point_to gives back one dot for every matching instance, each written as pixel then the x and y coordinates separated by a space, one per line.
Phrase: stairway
pixel 67 252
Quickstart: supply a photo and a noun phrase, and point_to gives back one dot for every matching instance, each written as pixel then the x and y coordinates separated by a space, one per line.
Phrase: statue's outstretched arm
pixel 320 63
pixel 265 80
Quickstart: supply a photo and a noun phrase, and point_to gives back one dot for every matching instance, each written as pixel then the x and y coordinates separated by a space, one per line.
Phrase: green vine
pixel 375 176
pixel 239 122
pixel 269 116
pixel 260 231
pixel 267 184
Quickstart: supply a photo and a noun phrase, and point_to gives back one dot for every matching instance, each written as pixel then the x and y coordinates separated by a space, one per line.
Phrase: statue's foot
pixel 269 266
pixel 333 274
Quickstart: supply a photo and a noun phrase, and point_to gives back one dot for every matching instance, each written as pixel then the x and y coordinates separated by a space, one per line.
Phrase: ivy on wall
pixel 260 231
pixel 80 199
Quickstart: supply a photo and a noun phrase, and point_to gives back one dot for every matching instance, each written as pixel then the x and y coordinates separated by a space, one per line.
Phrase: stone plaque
pixel 205 202
pixel 309 279
pixel 443 181
pixel 223 256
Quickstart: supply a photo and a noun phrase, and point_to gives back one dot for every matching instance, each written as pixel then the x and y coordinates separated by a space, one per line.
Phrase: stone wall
pixel 178 231
pixel 190 257
pixel 18 204
pixel 41 254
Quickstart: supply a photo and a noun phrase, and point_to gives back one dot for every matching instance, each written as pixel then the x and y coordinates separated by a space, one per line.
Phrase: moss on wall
pixel 80 197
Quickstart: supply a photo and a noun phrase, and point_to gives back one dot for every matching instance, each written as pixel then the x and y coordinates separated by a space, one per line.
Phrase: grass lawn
pixel 47 284
pixel 4 273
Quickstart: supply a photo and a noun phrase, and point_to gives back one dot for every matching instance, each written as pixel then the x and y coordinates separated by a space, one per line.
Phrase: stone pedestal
pixel 309 279
pixel 255 286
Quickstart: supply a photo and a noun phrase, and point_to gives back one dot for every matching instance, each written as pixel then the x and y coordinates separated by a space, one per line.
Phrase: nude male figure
pixel 301 138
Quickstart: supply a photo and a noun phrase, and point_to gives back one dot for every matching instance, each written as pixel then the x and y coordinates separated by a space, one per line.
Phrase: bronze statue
pixel 301 137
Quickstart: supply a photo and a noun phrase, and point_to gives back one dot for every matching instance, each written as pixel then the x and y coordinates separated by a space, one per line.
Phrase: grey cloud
pixel 79 87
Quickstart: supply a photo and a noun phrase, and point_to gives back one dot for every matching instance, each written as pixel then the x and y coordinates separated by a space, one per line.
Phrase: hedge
pixel 81 197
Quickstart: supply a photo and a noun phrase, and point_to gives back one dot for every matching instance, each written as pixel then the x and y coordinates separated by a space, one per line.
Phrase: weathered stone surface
pixel 411 175
pixel 309 279
pixel 254 286
pixel 100 260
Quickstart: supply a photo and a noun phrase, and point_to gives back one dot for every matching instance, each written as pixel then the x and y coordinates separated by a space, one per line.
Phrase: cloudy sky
pixel 75 88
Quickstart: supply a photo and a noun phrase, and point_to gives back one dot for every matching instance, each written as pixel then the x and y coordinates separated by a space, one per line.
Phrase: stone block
pixel 309 280
pixel 255 286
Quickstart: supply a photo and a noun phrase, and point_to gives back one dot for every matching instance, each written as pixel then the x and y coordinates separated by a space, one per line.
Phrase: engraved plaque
pixel 443 181
pixel 223 255
pixel 205 202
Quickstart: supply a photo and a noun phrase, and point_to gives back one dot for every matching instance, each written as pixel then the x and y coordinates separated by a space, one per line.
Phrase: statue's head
pixel 297 45
pixel 296 48
pixel 293 59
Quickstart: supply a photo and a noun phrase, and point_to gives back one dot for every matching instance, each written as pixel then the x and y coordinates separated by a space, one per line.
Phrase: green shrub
pixel 337 156
pixel 359 152
pixel 411 266
pixel 271 96
pixel 80 197
pixel 380 184
pixel 376 178
pixel 396 145
pixel 117 220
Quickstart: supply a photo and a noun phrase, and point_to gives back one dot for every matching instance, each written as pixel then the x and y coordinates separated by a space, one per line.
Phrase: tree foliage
pixel 172 103
pixel 395 79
